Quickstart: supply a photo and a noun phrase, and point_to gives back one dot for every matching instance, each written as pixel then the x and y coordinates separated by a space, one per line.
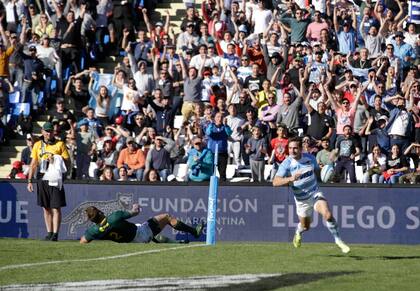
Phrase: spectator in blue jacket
pixel 217 134
pixel 200 162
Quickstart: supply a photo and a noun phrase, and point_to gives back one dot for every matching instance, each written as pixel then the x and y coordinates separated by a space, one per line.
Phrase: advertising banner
pixel 244 213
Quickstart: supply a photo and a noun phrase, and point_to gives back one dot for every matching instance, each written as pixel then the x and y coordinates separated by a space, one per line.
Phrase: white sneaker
pixel 344 248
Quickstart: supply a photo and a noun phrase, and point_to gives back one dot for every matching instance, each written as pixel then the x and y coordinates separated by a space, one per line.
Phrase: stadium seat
pixel 18 108
pixel 230 171
pixel 14 97
pixel 106 39
pixel 267 171
pixel 181 172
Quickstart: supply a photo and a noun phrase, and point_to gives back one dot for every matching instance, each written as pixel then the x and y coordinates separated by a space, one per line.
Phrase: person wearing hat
pixel 346 34
pixel 26 153
pixel 272 57
pixel 32 77
pixel 187 39
pixel 50 197
pixel 403 51
pixel 318 69
pixel 132 158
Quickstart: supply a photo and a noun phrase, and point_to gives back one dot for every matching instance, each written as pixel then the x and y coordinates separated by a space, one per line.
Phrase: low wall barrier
pixel 246 212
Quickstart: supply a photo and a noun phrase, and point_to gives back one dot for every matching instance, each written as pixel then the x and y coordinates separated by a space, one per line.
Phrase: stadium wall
pixel 246 212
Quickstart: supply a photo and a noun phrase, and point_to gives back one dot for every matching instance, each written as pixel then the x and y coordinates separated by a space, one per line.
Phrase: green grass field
pixel 313 266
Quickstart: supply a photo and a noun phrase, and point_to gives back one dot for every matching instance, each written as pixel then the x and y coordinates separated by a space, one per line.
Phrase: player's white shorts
pixel 305 208
pixel 144 233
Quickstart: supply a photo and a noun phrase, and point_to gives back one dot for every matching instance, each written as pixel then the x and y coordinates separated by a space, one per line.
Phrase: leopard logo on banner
pixel 77 217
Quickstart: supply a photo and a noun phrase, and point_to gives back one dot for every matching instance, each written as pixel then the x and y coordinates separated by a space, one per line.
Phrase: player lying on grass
pixel 299 170
pixel 115 226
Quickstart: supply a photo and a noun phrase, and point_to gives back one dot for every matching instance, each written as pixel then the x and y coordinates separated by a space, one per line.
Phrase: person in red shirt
pixel 279 148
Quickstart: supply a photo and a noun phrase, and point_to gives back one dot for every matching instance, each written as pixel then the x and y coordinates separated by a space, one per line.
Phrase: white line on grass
pixel 99 258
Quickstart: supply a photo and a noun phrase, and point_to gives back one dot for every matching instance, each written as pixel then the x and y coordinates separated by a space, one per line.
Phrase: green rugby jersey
pixel 116 228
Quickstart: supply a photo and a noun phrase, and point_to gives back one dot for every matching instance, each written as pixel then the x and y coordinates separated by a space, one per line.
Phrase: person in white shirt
pixel 234 142
pixel 144 80
pixel 197 60
pixel 261 18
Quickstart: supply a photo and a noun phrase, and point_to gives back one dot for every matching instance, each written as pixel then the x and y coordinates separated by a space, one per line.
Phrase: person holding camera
pixel 200 162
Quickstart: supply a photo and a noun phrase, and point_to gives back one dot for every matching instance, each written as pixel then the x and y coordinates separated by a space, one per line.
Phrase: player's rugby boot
pixel 344 248
pixel 297 240
pixel 199 229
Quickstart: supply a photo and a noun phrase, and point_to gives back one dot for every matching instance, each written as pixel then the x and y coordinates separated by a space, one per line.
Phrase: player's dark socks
pixel 54 236
pixel 185 228
pixel 49 235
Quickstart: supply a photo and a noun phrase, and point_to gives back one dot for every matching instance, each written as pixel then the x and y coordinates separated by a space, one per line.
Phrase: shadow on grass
pixel 361 258
pixel 280 281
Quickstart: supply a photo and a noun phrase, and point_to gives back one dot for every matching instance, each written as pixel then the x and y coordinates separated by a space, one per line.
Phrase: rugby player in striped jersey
pixel 299 169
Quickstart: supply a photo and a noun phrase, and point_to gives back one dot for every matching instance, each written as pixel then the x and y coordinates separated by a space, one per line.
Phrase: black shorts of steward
pixel 154 226
pixel 49 196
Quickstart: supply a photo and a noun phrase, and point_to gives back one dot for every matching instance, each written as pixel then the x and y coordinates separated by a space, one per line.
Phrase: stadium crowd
pixel 242 76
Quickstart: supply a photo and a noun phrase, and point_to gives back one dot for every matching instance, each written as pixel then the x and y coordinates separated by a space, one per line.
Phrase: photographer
pixel 200 162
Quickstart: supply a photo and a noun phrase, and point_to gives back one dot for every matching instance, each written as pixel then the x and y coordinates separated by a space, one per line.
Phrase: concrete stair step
pixel 4 161
pixel 17 142
pixel 12 148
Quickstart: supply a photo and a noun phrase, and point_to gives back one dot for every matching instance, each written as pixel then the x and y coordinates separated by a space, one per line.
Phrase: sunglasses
pixel 197 143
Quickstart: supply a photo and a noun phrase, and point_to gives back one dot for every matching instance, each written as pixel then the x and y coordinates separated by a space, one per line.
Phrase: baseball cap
pixel 29 136
pixel 275 55
pixel 399 34
pixel 129 140
pixel 119 120
pixel 60 100
pixel 107 138
pixel 383 117
pixel 82 122
pixel 242 28
pixel 159 23
pixel 48 126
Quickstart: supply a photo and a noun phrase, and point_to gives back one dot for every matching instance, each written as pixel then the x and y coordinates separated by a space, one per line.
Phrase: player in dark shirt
pixel 115 226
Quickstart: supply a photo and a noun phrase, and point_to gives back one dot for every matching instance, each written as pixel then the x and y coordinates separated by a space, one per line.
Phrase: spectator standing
pixel 218 133
pixel 200 162
pixel 192 89
pixel 256 147
pixel 158 157
pixel 347 148
pixel 85 142
pixel 234 142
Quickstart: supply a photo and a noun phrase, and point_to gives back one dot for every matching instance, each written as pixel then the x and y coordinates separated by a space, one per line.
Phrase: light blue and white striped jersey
pixel 307 184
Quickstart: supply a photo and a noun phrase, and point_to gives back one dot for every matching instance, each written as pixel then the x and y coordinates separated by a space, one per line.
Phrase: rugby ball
pixel 326 173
